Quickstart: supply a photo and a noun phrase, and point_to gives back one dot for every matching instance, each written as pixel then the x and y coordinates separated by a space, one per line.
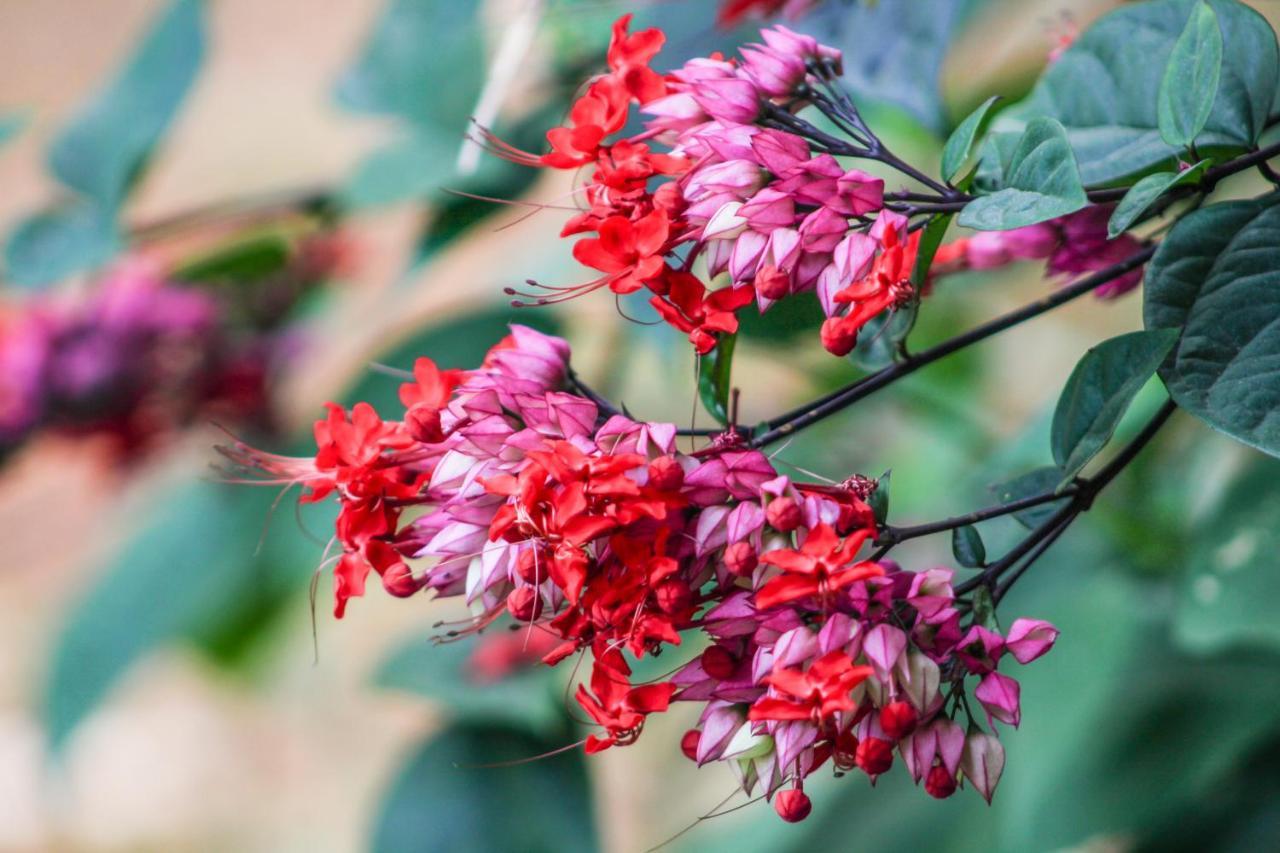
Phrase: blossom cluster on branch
pixel 499 486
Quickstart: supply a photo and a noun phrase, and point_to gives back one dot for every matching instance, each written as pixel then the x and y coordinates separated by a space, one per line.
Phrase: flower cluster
pixel 1070 245
pixel 594 534
pixel 735 188
pixel 733 12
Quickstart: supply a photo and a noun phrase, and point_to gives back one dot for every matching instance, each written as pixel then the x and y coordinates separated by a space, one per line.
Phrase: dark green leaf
pixel 930 240
pixel 191 564
pixel 1105 88
pixel 967 547
pixel 1231 582
pixel 1144 193
pixel 984 609
pixel 715 370
pixel 1190 81
pixel 244 260
pixel 446 800
pixel 1041 481
pixel 959 145
pixel 1216 277
pixel 526 699
pixel 406 170
pixel 878 500
pixel 1042 182
pixel 51 245
pixel 424 62
pixel 1099 392
pixel 880 340
pixel 105 147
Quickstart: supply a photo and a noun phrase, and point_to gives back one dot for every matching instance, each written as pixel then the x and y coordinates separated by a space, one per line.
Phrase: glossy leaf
pixel 878 500
pixel 1099 392
pixel 715 370
pixel 446 799
pixel 1191 76
pixel 52 245
pixel 967 547
pixel 1216 277
pixel 1144 193
pixel 105 147
pixel 1037 482
pixel 960 143
pixel 1105 89
pixel 1231 582
pixel 1042 182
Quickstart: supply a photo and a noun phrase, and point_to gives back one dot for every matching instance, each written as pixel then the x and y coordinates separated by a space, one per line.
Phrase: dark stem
pixel 314 199
pixel 894 535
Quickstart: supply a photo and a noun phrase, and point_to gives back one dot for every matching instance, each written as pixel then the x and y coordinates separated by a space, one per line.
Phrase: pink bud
pixel 783 514
pixel 883 646
pixel 792 805
pixel 898 719
pixel 741 559
pixel 772 283
pixel 839 335
pixel 665 474
pixel 718 663
pixel 939 784
pixel 1028 639
pixel 776 73
pixel 983 762
pixel 950 738
pixel 689 744
pixel 673 596
pixel 999 695
pixel 730 99
pixel 524 604
pixel 874 756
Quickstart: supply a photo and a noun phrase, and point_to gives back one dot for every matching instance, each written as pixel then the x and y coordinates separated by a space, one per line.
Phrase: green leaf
pixel 446 799
pixel 966 545
pixel 878 500
pixel 960 143
pixel 1099 392
pixel 247 259
pixel 1042 182
pixel 1216 277
pixel 1231 585
pixel 179 577
pixel 714 375
pixel 1037 482
pixel 880 341
pixel 527 699
pixel 423 62
pixel 51 245
pixel 104 149
pixel 406 170
pixel 1105 89
pixel 1190 81
pixel 984 609
pixel 1144 193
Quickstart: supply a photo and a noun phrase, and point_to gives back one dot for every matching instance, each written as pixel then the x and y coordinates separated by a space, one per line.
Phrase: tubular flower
pixel 500 487
pixel 734 191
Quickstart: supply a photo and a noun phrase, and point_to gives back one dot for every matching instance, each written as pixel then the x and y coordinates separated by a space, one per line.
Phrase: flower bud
pixel 772 283
pixel 1000 696
pixel 874 756
pixel 524 604
pixel 783 514
pixel 399 581
pixel 718 663
pixel 898 719
pixel 792 805
pixel 940 784
pixel 729 99
pixel 689 744
pixel 740 558
pixel 531 566
pixel 845 755
pixel 838 336
pixel 983 762
pixel 1030 638
pixel 665 474
pixel 673 596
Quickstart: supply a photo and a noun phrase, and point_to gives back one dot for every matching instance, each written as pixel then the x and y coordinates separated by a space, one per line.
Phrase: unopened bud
pixel 689 744
pixel 772 283
pixel 898 719
pixel 525 604
pixel 740 558
pixel 792 805
pixel 874 756
pixel 673 596
pixel 718 663
pixel 783 514
pixel 940 784
pixel 665 474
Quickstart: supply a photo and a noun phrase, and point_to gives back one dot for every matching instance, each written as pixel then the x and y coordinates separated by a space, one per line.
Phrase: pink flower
pixel 999 695
pixel 1028 639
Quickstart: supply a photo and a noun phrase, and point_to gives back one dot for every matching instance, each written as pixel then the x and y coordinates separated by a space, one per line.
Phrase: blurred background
pixel 219 215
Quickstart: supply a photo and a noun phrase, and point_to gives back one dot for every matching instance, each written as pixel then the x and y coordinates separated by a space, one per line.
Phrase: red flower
pixel 617 706
pixel 819 568
pixel 629 253
pixel 687 307
pixel 629 56
pixel 817 694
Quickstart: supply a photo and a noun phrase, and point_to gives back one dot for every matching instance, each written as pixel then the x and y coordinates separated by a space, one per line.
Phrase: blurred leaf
pixel 878 500
pixel 1231 580
pixel 880 340
pixel 960 144
pixel 1042 182
pixel 967 547
pixel 458 342
pixel 1099 392
pixel 1145 192
pixel 786 320
pixel 1038 482
pixel 247 259
pixel 715 371
pixel 190 565
pixel 408 169
pixel 1216 277
pixel 894 49
pixel 527 699
pixel 12 123
pixel 423 62
pixel 443 801
pixel 930 240
pixel 1105 88
pixel 104 149
pixel 52 245
pixel 1190 81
